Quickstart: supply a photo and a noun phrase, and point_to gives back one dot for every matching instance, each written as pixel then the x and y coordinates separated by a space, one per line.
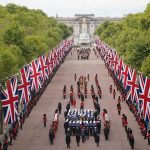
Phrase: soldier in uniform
pixel 114 93
pixel 131 139
pixel 44 120
pixel 110 89
pixel 82 105
pixel 74 103
pixel 82 97
pixel 68 140
pixel 106 130
pixel 88 77
pixel 78 139
pixel 119 108
pixel 59 107
pixel 51 135
pixel 119 99
pixel 148 137
pixel 68 106
pixel 1 146
pixel 64 93
pixel 75 76
pixel 97 139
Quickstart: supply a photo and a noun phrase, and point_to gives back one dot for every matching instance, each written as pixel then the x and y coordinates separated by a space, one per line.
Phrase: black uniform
pixel 78 139
pixel 97 139
pixel 51 136
pixel 59 107
pixel 68 140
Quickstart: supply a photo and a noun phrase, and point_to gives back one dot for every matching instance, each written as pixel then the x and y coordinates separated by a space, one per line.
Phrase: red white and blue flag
pixel 144 96
pixel 35 75
pixel 119 69
pixel 133 86
pixel 55 56
pixel 24 85
pixel 50 63
pixel 124 75
pixel 44 67
pixel 9 99
pixel 115 63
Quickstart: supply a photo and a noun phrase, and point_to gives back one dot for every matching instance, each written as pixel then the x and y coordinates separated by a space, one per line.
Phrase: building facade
pixel 76 22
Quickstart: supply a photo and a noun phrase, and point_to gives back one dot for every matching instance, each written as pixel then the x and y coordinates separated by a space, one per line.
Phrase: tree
pixel 14 35
pixel 11 8
pixel 145 69
pixel 130 38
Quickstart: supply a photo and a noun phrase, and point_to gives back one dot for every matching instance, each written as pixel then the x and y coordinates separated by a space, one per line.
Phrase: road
pixel 35 137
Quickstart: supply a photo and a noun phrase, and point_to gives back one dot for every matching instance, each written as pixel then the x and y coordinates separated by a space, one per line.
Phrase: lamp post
pixel 1 113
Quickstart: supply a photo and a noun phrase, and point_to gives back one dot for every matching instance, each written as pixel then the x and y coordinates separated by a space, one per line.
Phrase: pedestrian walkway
pixel 35 137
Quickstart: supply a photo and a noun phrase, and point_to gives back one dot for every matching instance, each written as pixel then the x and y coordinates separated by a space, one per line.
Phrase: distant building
pixel 92 23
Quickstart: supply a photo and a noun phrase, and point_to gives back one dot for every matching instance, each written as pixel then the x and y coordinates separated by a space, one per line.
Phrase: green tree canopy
pixel 25 34
pixel 131 38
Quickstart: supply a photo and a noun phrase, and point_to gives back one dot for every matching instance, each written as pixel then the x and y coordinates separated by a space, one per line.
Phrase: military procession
pixel 82 109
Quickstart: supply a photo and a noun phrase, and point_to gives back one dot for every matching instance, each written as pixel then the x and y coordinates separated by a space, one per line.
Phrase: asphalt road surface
pixel 35 137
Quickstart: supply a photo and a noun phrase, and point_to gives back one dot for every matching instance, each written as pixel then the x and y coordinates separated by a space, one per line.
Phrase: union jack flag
pixel 115 63
pixel 44 68
pixel 119 69
pixel 144 96
pixel 24 85
pixel 55 56
pixel 35 75
pixel 124 75
pixel 9 99
pixel 133 85
pixel 50 63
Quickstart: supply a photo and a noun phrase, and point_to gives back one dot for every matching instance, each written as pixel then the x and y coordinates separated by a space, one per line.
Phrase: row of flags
pixel 32 77
pixel 137 86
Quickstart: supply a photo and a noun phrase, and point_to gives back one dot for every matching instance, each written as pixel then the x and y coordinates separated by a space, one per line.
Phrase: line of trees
pixel 131 39
pixel 25 34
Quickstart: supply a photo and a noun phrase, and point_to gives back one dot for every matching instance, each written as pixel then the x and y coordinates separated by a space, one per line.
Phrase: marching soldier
pixel 131 139
pixel 64 93
pixel 88 77
pixel 97 139
pixel 119 99
pixel 85 92
pixel 44 120
pixel 106 130
pixel 114 93
pixel 68 140
pixel 75 76
pixel 79 93
pixel 78 139
pixel 148 137
pixel 59 107
pixel 110 89
pixel 74 103
pixel 1 146
pixel 51 135
pixel 124 122
pixel 82 105
pixel 119 108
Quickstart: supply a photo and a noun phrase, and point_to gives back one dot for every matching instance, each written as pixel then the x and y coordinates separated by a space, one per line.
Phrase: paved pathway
pixel 35 137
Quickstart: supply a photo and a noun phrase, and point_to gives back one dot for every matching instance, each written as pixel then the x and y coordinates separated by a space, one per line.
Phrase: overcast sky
pixel 67 8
